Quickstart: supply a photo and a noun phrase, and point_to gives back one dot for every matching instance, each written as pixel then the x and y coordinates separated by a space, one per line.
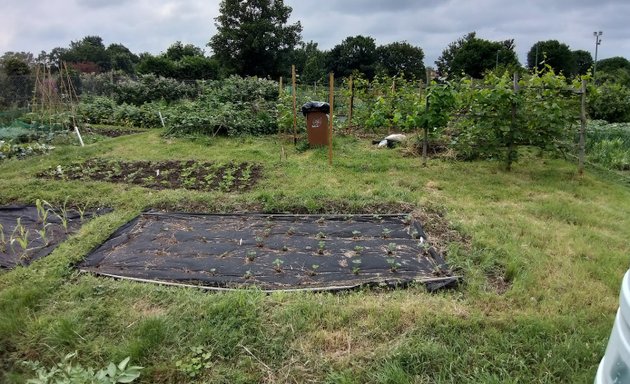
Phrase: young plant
pixel 356 234
pixel 82 211
pixel 277 265
pixel 3 242
pixel 358 249
pixel 393 265
pixel 63 216
pixel 321 235
pixel 391 248
pixel 42 211
pixel 248 275
pixel 321 247
pixel 386 232
pixel 407 219
pixel 313 270
pixel 43 234
pixel 357 266
pixel 21 238
pixel 260 242
pixel 251 256
pixel 285 248
pixel 194 364
pixel 291 231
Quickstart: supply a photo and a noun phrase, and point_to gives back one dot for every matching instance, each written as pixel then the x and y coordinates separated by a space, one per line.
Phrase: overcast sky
pixel 151 26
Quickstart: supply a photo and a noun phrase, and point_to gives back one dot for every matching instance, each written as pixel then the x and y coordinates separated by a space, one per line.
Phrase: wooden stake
pixel 280 87
pixel 425 139
pixel 294 105
pixel 351 106
pixel 331 101
pixel 582 143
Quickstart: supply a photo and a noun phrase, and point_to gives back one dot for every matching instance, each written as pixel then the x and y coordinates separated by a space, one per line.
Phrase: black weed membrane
pixel 28 233
pixel 271 252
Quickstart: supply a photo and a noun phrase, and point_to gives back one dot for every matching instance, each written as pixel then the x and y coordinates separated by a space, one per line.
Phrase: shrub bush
pixel 610 102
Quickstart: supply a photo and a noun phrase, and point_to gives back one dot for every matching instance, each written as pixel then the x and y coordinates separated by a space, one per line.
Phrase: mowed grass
pixel 560 242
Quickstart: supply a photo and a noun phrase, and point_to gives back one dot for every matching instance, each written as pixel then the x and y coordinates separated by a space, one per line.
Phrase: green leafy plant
pixel 277 265
pixel 321 235
pixel 313 270
pixel 291 231
pixel 356 269
pixel 391 248
pixel 66 371
pixel 251 256
pixel 386 232
pixel 358 249
pixel 321 247
pixel 43 234
pixel 198 360
pixel 260 242
pixel 356 234
pixel 393 265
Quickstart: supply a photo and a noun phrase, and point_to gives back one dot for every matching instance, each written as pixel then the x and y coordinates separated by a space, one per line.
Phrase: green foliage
pixel 234 106
pixel 8 150
pixel 253 37
pixel 611 102
pixel 401 59
pixel 152 88
pixel 354 54
pixel 103 110
pixel 609 145
pixel 473 56
pixel 554 54
pixel 497 119
pixel 68 372
pixel 198 360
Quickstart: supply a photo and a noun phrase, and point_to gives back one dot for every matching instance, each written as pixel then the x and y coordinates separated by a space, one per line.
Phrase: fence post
pixel 425 139
pixel 351 106
pixel 582 143
pixel 294 105
pixel 331 101
pixel 511 152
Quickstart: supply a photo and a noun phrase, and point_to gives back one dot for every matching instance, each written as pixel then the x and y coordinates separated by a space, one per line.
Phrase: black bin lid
pixel 315 106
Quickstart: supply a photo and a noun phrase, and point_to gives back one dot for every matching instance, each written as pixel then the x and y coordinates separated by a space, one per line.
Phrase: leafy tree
pixel 583 62
pixel 555 54
pixel 89 49
pixel 357 53
pixel 613 63
pixel 178 51
pixel 121 58
pixel 157 65
pixel 473 56
pixel 610 102
pixel 196 68
pixel 310 62
pixel 16 84
pixel 401 58
pixel 253 37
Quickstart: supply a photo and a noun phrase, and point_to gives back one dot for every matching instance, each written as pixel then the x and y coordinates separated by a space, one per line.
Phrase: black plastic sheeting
pixel 271 252
pixel 315 106
pixel 12 253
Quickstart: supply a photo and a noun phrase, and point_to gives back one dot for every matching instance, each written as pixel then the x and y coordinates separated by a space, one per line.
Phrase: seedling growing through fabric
pixel 393 265
pixel 386 233
pixel 82 211
pixel 356 234
pixel 251 255
pixel 291 231
pixel 3 242
pixel 42 211
pixel 285 248
pixel 321 247
pixel 267 232
pixel 64 215
pixel 22 238
pixel 277 265
pixel 43 234
pixel 357 266
pixel 260 242
pixel 248 275
pixel 391 248
pixel 407 219
pixel 321 235
pixel 321 221
pixel 414 234
pixel 313 270
pixel 358 249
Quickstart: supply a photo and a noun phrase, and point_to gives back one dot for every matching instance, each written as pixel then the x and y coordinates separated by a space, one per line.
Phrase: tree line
pixel 255 38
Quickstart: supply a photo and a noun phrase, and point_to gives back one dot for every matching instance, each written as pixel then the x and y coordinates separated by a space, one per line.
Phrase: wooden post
pixel 294 105
pixel 331 101
pixel 425 139
pixel 351 106
pixel 582 143
pixel 280 87
pixel 511 151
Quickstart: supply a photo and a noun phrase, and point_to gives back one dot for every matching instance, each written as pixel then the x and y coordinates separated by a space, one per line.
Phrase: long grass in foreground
pixel 543 262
